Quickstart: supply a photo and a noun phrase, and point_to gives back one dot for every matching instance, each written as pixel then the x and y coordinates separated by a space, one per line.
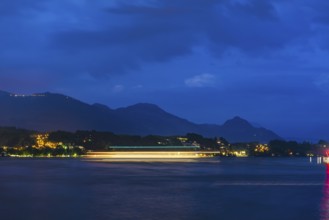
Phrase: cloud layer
pixel 104 39
pixel 203 80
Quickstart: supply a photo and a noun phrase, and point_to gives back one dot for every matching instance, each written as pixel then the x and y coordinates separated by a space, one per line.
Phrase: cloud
pixel 322 82
pixel 320 12
pixel 203 80
pixel 118 88
pixel 12 8
pixel 139 86
pixel 104 39
pixel 162 30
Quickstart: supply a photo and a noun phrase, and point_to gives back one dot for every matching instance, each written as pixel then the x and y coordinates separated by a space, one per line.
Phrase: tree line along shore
pixel 27 143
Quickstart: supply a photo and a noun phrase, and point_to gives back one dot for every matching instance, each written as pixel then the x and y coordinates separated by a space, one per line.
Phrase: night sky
pixel 203 60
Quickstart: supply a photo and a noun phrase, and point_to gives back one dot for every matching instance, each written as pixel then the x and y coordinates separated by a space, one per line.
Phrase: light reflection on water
pixel 325 199
pixel 235 188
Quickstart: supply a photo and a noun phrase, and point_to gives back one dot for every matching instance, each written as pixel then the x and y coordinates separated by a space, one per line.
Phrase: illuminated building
pixel 262 148
pixel 42 141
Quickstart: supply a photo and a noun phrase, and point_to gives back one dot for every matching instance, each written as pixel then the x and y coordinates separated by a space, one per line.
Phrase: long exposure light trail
pixel 126 155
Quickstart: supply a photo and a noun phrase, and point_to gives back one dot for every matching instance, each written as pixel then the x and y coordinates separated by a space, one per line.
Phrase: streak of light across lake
pixel 135 156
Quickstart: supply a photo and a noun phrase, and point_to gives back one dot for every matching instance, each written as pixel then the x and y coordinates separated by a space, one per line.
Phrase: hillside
pixel 49 112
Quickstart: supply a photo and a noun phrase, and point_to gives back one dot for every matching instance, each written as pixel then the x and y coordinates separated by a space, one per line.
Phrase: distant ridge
pixel 49 112
pixel 240 129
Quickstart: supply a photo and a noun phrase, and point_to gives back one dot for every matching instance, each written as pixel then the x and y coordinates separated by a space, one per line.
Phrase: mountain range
pixel 49 112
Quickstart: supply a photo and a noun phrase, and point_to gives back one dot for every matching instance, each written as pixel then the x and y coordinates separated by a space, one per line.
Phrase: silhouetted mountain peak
pixel 237 122
pixel 144 107
pixel 50 111
pixel 101 106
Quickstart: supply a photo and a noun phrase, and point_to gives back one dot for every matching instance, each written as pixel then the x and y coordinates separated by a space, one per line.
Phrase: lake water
pixel 230 188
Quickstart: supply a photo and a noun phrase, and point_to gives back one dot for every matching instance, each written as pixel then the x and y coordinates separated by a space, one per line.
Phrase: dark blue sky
pixel 204 60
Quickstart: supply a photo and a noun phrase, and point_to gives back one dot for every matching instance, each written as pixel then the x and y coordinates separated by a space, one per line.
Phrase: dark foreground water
pixel 234 188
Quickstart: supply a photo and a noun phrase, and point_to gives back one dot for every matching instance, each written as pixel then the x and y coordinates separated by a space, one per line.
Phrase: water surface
pixel 231 188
